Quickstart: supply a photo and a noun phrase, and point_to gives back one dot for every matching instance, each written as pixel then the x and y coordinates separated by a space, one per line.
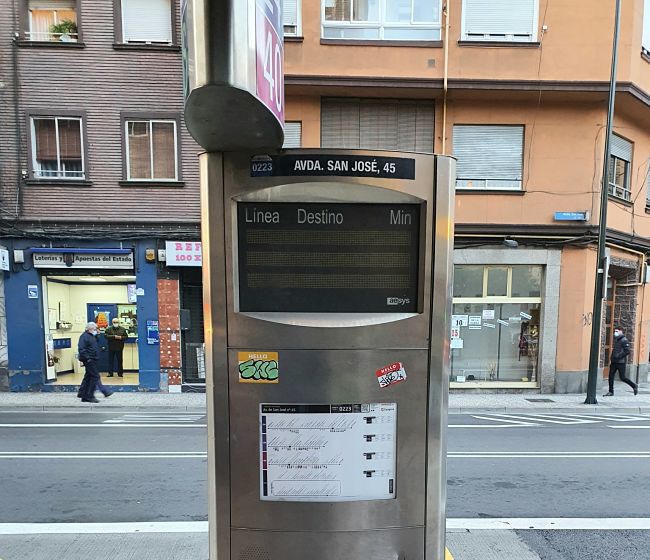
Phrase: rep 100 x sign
pixel 269 49
pixel 183 253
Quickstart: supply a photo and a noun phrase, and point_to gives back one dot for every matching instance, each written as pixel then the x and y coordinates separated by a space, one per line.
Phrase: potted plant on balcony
pixel 64 31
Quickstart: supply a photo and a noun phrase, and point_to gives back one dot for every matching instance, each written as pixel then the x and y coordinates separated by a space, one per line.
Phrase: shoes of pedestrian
pixel 610 394
pixel 110 375
pixel 636 390
pixel 108 394
pixel 93 400
pixel 120 375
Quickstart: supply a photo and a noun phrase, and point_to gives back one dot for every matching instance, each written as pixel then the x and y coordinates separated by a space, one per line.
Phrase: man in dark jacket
pixel 89 355
pixel 116 336
pixel 620 352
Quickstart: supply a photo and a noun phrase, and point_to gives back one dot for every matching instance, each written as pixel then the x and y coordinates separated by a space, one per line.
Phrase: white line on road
pixel 506 420
pixel 99 528
pixel 491 425
pixel 103 457
pixel 630 427
pixel 543 523
pixel 547 418
pixel 546 523
pixel 549 455
pixel 25 425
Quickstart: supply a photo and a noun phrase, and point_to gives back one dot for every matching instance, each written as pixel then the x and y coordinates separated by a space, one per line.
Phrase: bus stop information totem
pixel 327 276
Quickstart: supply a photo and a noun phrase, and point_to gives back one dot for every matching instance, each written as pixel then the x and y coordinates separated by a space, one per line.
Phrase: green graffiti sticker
pixel 258 367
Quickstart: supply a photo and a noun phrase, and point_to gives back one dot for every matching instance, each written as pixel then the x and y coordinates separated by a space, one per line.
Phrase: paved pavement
pixel 459 403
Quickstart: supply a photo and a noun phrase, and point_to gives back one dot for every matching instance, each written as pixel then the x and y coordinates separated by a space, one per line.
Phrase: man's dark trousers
pixel 112 356
pixel 89 383
pixel 613 368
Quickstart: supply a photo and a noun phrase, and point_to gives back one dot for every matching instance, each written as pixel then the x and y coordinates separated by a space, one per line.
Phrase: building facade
pixel 517 91
pixel 99 175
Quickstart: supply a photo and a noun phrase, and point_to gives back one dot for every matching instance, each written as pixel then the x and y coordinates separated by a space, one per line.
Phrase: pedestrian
pixel 89 355
pixel 620 352
pixel 116 336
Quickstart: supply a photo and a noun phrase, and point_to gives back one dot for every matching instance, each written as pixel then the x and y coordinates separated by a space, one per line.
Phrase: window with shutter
pixel 488 156
pixel 620 161
pixel 52 20
pixel 292 135
pixel 499 20
pixel 147 21
pixel 151 150
pixel 404 125
pixel 291 17
pixel 57 148
pixel 383 20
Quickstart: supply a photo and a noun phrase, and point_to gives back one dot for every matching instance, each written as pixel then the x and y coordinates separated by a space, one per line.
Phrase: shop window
pixel 291 18
pixel 382 20
pixel 57 148
pixel 499 20
pixel 468 281
pixel 496 322
pixel 52 20
pixel 372 124
pixel 489 156
pixel 146 21
pixel 151 150
pixel 497 281
pixel 526 281
pixel 619 168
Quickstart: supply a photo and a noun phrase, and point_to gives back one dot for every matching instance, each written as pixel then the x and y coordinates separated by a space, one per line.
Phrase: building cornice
pixel 466 84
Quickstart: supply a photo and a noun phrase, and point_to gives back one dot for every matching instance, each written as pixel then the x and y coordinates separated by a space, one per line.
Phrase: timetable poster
pixel 327 452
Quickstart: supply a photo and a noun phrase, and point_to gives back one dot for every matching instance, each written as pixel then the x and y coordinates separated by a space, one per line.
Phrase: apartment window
pixel 499 20
pixel 620 161
pixel 292 135
pixel 291 18
pixel 387 20
pixel 373 124
pixel 52 20
pixel 151 150
pixel 57 148
pixel 489 157
pixel 146 21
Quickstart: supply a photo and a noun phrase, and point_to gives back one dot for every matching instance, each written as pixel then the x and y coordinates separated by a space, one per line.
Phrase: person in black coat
pixel 620 352
pixel 89 357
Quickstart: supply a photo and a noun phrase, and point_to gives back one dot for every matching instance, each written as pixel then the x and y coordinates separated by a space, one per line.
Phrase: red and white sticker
pixel 389 375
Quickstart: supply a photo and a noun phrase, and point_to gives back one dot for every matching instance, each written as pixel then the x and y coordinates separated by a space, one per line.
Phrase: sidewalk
pixel 459 403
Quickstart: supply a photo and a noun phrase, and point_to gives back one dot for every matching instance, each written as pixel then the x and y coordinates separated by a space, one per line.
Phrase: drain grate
pixel 540 400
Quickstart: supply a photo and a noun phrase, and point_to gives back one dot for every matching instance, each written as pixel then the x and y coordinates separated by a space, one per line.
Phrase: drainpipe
pixel 16 100
pixel 445 10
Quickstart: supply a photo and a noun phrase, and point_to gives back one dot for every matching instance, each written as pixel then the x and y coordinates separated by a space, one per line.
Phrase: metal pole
pixel 594 352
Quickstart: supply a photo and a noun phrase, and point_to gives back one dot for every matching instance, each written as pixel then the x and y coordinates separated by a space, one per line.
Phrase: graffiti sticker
pixel 389 375
pixel 258 367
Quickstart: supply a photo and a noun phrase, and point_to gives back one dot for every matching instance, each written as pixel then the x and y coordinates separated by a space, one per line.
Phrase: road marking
pixel 508 420
pixel 103 455
pixel 548 418
pixel 101 528
pixel 630 427
pixel 546 523
pixel 102 425
pixel 543 523
pixel 610 417
pixel 549 454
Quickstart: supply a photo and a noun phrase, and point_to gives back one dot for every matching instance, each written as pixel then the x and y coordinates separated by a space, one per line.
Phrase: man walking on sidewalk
pixel 89 354
pixel 116 336
pixel 620 352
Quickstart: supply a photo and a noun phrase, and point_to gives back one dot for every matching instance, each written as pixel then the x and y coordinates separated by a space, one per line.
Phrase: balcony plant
pixel 65 31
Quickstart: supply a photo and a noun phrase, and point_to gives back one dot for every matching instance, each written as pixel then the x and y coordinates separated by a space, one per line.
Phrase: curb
pixel 97 408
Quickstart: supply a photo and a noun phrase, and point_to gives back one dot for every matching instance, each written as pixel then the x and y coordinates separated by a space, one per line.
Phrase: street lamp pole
pixel 601 271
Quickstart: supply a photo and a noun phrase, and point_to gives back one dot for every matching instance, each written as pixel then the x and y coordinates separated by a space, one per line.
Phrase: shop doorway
pixel 610 303
pixel 192 337
pixel 72 301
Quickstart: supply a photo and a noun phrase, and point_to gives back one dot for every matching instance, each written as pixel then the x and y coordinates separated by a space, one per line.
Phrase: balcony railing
pixel 54 37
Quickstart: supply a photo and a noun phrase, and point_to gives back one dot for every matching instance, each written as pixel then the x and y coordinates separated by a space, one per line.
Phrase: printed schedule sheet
pixel 327 452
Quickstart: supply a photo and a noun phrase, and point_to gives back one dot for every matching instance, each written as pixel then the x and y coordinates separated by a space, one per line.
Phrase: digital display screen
pixel 328 258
